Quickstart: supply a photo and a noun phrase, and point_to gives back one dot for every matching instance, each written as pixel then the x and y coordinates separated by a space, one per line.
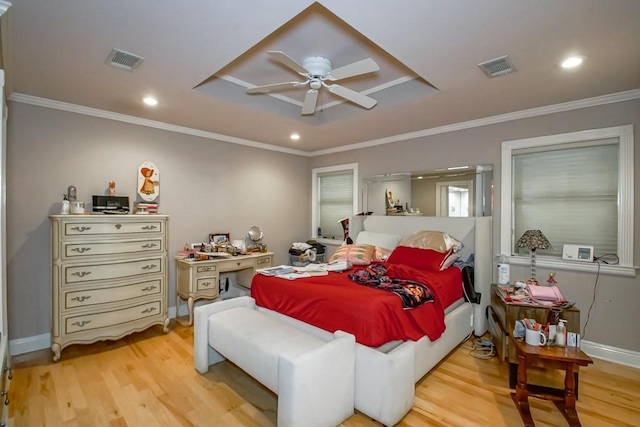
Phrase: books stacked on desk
pixel 146 208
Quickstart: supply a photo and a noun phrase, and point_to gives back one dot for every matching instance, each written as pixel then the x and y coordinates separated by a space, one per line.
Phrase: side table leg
pixel 513 375
pixel 521 395
pixel 568 407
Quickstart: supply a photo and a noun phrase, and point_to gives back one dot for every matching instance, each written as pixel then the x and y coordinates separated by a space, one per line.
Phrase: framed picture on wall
pixel 219 238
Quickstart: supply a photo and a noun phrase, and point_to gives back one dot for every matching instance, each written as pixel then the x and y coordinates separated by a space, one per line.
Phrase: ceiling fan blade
pixel 310 100
pixel 275 87
pixel 286 60
pixel 353 96
pixel 355 69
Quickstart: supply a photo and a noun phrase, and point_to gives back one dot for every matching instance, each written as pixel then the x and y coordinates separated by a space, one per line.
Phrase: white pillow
pixel 381 240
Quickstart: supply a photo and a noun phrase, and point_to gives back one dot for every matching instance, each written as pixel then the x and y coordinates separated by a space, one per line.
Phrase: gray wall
pixel 206 186
pixel 209 186
pixel 615 315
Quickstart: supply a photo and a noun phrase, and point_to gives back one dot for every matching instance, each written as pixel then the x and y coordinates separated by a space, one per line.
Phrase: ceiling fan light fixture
pixel 317 69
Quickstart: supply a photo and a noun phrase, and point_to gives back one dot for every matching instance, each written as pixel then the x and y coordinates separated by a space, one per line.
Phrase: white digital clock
pixel 577 253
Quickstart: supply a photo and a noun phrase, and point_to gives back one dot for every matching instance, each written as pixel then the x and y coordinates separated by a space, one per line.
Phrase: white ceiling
pixel 200 55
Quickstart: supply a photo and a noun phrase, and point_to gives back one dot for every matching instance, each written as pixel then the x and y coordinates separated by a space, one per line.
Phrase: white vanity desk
pixel 199 279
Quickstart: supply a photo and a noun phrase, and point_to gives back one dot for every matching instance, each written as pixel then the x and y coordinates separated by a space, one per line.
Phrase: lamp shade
pixel 533 239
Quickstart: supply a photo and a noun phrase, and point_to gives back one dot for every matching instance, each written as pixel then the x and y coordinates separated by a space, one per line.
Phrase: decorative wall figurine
pixel 148 182
pixel 112 188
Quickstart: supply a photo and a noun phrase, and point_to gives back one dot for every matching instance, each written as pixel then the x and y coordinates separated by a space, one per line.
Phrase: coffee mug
pixel 535 338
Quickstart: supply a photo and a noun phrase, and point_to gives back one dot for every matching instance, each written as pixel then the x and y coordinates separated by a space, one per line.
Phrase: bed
pixel 396 345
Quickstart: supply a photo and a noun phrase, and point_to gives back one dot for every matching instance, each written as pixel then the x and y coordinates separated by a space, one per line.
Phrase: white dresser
pixel 109 276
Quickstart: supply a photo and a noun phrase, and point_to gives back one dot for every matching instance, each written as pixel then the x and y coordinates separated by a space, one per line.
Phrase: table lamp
pixel 533 239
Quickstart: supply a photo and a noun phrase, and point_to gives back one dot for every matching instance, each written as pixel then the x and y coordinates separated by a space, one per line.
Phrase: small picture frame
pixel 219 238
pixel 197 247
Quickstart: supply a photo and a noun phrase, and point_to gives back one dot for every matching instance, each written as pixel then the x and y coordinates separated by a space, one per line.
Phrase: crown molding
pixel 516 115
pixel 95 112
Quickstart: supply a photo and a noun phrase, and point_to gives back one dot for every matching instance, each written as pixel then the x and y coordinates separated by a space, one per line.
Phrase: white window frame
pixel 625 199
pixel 353 167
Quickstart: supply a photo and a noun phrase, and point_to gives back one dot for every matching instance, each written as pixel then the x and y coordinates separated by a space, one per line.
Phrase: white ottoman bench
pixel 313 377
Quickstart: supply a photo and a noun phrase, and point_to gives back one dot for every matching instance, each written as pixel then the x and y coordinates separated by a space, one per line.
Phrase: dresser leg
pixel 166 325
pixel 55 348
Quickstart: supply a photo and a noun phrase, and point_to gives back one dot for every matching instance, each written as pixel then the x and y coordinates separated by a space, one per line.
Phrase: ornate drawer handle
pixel 149 310
pixel 6 394
pixel 81 323
pixel 81 299
pixel 149 266
pixel 81 273
pixel 206 284
pixel 80 229
pixel 80 250
pixel 10 375
pixel 208 269
pixel 149 246
pixel 149 227
pixel 148 288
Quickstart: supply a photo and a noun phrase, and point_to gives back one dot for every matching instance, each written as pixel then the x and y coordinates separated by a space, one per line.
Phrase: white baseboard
pixel 611 354
pixel 39 342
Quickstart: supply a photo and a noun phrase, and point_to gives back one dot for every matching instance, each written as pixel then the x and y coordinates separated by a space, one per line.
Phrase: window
pixel 577 188
pixel 334 197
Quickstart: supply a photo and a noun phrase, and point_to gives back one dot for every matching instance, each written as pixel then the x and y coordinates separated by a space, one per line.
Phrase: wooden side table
pixel 503 315
pixel 566 358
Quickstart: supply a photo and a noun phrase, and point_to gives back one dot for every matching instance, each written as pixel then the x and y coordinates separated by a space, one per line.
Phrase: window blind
pixel 335 202
pixel 570 194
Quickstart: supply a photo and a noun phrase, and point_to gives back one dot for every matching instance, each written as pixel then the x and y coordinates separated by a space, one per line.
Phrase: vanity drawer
pixel 109 294
pixel 73 274
pixel 106 319
pixel 205 268
pixel 75 250
pixel 263 262
pixel 110 228
pixel 236 264
pixel 207 283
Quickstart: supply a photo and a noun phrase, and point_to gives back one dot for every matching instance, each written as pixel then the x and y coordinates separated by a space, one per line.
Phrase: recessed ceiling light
pixel 295 137
pixel 151 101
pixel 572 62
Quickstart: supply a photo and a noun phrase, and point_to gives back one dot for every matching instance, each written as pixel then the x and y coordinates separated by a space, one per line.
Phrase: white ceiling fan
pixel 317 70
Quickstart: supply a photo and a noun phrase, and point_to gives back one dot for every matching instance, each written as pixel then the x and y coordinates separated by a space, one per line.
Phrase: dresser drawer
pixel 75 250
pixel 106 319
pixel 109 294
pixel 111 228
pixel 113 270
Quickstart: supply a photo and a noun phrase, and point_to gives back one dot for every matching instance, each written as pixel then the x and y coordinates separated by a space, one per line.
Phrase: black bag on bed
pixel 470 293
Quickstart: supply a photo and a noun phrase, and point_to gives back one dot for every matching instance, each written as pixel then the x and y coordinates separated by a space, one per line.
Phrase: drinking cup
pixel 535 338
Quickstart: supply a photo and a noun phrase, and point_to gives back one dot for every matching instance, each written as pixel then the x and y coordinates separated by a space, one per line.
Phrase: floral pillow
pixel 356 254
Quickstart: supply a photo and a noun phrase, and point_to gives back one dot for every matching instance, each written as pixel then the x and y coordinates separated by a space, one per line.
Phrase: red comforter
pixel 373 316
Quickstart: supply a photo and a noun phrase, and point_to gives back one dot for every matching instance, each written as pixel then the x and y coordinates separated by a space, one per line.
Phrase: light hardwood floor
pixel 148 380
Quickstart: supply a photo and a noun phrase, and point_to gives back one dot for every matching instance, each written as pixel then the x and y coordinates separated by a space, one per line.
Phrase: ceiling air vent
pixel 124 60
pixel 497 67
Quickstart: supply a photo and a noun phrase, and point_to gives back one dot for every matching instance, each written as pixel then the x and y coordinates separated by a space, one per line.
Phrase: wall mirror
pixel 454 191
